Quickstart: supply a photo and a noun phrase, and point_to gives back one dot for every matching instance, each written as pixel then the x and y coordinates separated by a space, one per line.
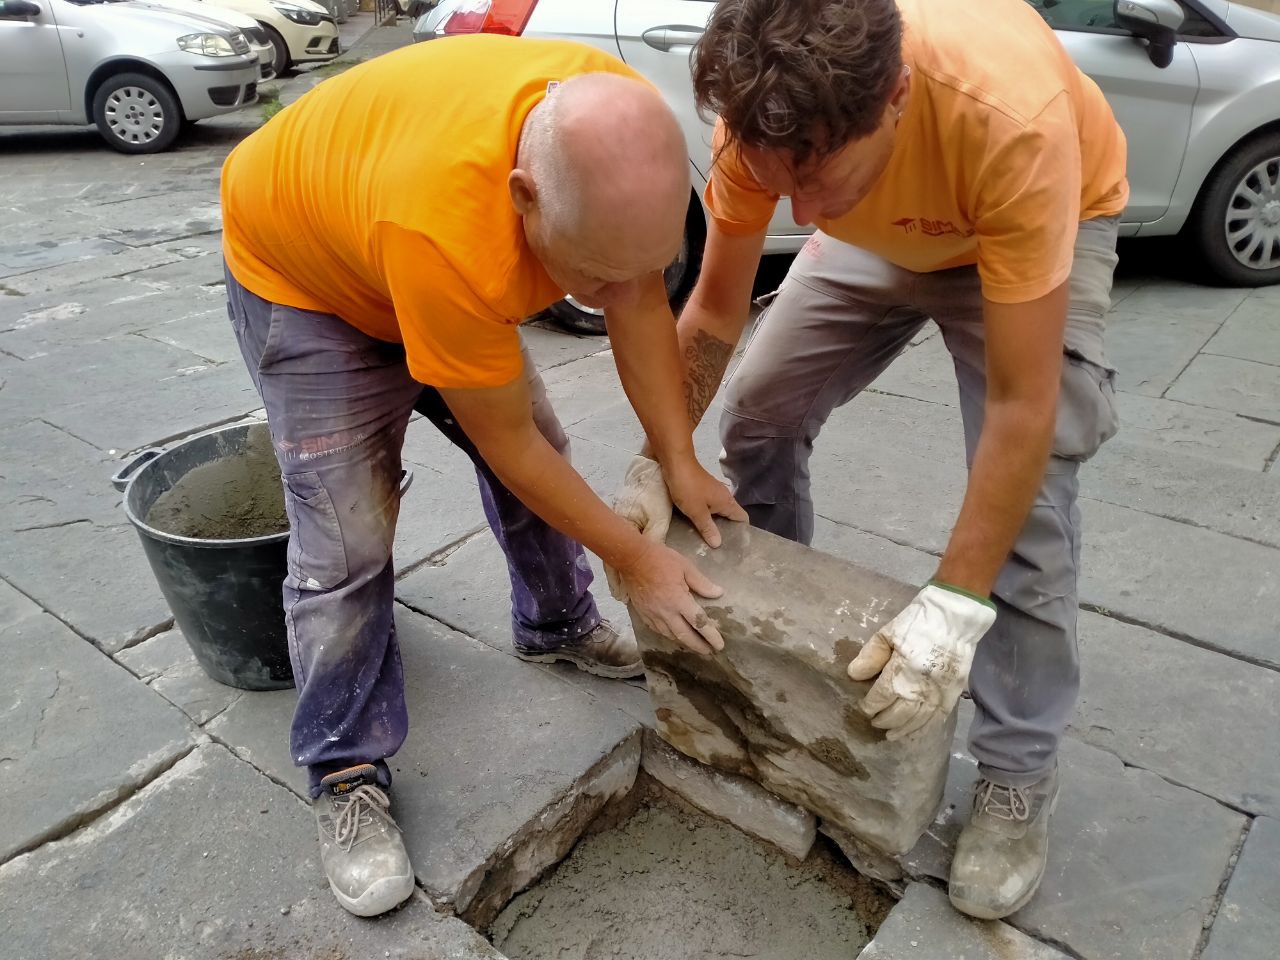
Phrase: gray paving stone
pixel 1222 591
pixel 240 880
pixel 1184 301
pixel 552 347
pixel 77 733
pixel 924 926
pixel 437 511
pixel 33 254
pixel 120 261
pixel 195 272
pixel 1192 716
pixel 142 221
pixel 14 606
pixel 207 334
pixel 581 388
pixel 1241 386
pixel 1252 332
pixel 874 552
pixel 925 372
pixel 166 663
pixel 1134 862
pixel 1215 435
pixel 1150 350
pixel 1248 923
pixel 52 478
pixel 494 746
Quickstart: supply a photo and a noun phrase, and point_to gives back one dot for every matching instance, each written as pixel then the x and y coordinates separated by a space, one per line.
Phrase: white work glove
pixel 644 501
pixel 923 656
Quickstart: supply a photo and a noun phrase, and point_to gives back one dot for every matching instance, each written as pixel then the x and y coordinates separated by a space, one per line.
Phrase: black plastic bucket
pixel 225 594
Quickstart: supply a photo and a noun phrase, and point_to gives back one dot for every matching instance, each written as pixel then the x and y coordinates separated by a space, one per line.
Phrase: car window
pixel 1101 15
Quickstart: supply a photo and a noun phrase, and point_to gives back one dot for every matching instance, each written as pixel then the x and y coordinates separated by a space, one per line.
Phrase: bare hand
pixel 699 496
pixel 659 584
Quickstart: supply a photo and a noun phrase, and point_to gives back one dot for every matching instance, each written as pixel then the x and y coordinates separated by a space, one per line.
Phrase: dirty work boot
pixel 1002 851
pixel 605 651
pixel 360 845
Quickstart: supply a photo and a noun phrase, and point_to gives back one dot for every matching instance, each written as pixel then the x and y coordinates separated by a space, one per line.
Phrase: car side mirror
pixel 18 9
pixel 1156 21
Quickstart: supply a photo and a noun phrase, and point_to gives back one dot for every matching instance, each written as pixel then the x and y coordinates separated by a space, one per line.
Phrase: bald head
pixel 606 170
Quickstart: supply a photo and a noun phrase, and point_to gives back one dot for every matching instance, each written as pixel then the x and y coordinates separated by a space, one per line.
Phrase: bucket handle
pixel 406 481
pixel 122 476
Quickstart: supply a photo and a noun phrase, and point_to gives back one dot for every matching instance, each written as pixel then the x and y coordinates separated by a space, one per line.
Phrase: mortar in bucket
pixel 210 514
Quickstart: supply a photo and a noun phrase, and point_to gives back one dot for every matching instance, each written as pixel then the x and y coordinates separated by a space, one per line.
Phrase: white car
pixel 299 31
pixel 252 30
pixel 1194 83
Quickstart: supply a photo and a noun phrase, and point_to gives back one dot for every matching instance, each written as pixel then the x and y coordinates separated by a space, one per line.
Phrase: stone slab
pixel 924 372
pixel 1150 350
pixel 206 334
pixel 493 744
pixel 875 552
pixel 1134 862
pixel 776 704
pixel 1222 591
pixel 1248 922
pixel 734 799
pixel 581 388
pixel 1178 300
pixel 14 606
pixel 924 926
pixel 32 254
pixel 119 261
pixel 239 880
pixel 167 665
pixel 1215 435
pixel 437 511
pixel 77 733
pixel 1252 332
pixel 1190 715
pixel 552 347
pixel 1241 386
pixel 53 478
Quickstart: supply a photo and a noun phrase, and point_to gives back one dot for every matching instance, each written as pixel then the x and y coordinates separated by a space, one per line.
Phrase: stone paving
pixel 151 812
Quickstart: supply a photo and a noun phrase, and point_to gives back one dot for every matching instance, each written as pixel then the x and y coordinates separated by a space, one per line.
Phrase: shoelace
pixel 353 811
pixel 1001 802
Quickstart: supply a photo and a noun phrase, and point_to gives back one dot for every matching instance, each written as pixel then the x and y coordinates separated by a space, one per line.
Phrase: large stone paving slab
pixel 1248 923
pixel 77 732
pixel 924 926
pixel 497 748
pixel 116 262
pixel 211 861
pixel 1241 386
pixel 1134 862
pixel 1251 333
pixel 1150 349
pixel 776 705
pixel 1215 435
pixel 167 665
pixel 14 606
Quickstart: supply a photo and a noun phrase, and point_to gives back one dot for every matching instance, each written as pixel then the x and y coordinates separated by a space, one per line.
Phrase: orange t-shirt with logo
pixel 381 197
pixel 1003 148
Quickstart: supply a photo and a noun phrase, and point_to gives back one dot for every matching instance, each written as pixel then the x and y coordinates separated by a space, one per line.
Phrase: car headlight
pixel 308 18
pixel 207 44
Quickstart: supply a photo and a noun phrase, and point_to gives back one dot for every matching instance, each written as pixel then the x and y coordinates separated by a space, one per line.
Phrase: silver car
pixel 1194 83
pixel 138 72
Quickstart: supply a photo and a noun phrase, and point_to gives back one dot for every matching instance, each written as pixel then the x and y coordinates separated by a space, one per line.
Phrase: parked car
pixel 138 72
pixel 300 31
pixel 252 30
pixel 1194 83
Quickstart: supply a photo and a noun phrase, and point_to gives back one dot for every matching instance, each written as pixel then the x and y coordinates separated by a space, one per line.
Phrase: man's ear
pixel 898 100
pixel 524 195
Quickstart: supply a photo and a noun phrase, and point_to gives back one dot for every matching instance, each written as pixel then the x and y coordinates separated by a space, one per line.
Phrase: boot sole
pixel 586 665
pixel 981 912
pixel 383 895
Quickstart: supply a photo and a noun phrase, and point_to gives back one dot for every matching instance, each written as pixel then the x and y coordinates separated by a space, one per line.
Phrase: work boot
pixel 605 651
pixel 360 845
pixel 1002 851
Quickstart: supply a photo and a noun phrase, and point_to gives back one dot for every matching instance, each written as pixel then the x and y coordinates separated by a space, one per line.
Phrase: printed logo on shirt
pixel 932 228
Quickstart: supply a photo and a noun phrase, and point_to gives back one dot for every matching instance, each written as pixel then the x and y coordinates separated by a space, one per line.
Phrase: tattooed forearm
pixel 705 360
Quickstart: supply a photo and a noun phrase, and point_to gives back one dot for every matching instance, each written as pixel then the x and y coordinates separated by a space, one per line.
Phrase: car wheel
pixel 679 278
pixel 136 113
pixel 1236 224
pixel 279 50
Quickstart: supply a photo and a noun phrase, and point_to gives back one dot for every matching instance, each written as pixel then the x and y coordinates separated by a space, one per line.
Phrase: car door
pixel 656 37
pixel 33 74
pixel 1153 105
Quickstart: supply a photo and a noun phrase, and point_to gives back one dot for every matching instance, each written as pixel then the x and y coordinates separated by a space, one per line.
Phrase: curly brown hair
pixel 805 76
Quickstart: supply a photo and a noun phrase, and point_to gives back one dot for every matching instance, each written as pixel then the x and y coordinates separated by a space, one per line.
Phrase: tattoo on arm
pixel 705 360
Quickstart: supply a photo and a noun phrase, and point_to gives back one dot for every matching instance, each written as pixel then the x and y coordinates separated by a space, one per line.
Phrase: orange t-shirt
pixel 381 197
pixel 1004 147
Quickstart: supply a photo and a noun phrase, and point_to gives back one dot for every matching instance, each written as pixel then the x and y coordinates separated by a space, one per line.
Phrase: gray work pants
pixel 841 316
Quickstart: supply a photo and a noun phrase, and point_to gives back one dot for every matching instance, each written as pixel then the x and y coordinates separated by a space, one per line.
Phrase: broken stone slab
pixel 504 763
pixel 77 733
pixel 1135 862
pixel 734 799
pixel 211 861
pixel 924 926
pixel 777 705
pixel 1248 922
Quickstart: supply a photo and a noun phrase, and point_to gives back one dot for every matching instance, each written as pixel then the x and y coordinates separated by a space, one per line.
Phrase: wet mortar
pixel 671 882
pixel 238 496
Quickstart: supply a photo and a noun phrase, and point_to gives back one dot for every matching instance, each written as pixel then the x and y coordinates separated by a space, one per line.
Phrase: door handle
pixel 671 36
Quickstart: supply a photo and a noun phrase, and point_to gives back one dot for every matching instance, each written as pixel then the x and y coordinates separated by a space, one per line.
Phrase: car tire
pixel 279 50
pixel 1236 222
pixel 680 277
pixel 136 113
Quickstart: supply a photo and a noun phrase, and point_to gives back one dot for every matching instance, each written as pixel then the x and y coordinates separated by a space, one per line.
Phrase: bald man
pixel 384 237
